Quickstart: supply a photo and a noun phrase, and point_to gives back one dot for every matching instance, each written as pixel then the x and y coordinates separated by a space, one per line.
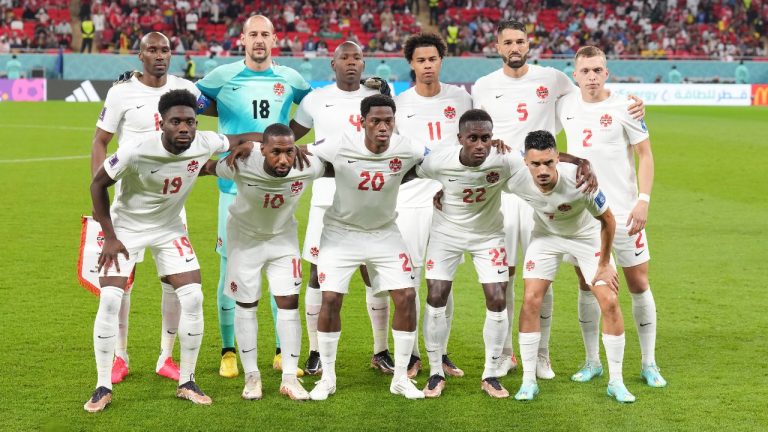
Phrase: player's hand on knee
pixel 499 145
pixel 302 157
pixel 376 83
pixel 607 275
pixel 437 200
pixel 637 218
pixel 109 253
pixel 637 109
pixel 585 176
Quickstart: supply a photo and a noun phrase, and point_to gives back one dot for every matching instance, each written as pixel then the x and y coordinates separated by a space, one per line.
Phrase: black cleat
pixel 101 397
pixel 451 369
pixel 313 366
pixel 414 366
pixel 383 362
pixel 435 386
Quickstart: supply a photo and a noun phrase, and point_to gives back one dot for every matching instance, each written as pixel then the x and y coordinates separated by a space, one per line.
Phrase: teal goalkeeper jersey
pixel 249 101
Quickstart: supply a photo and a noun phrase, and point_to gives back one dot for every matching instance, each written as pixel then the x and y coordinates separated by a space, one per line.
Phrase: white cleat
pixel 322 390
pixel 507 363
pixel 291 387
pixel 544 368
pixel 252 389
pixel 406 387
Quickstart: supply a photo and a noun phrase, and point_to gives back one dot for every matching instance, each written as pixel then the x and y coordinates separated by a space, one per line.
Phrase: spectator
pixel 322 48
pixel 13 68
pixel 742 73
pixel 310 46
pixel 674 76
pixel 87 31
pixel 192 20
pixel 387 20
pixel 383 71
pixel 305 68
pixel 189 69
pixel 5 45
pixel 210 64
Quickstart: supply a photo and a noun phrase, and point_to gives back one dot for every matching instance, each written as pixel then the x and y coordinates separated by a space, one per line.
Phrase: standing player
pixel 566 223
pixel 598 128
pixel 332 111
pixel 521 98
pixel 130 111
pixel 249 95
pixel 360 229
pixel 262 235
pixel 428 112
pixel 157 173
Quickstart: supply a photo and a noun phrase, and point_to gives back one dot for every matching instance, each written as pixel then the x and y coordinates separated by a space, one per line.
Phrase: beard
pixel 259 58
pixel 515 64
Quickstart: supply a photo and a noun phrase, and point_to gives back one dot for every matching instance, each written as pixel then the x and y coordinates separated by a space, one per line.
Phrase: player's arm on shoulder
pixel 99 146
pixel 238 140
pixel 638 217
pixel 584 173
pixel 299 130
pixel 605 271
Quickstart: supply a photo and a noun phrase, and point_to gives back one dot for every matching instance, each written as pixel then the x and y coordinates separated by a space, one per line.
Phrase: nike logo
pixel 294 356
pixel 351 161
pixel 154 171
pixel 235 88
pixel 373 308
pixel 190 259
pixel 413 277
pixel 495 358
pixel 251 184
pixel 645 324
pixel 452 180
pixel 170 332
pixel 430 351
pixel 410 115
pixel 545 317
pixel 328 105
pixel 585 322
pixel 195 334
pixel 247 351
pixel 569 118
pixel 139 106
pixel 314 314
pixel 105 337
pixel 225 309
pixel 501 271
pixel 638 253
pixel 498 96
pixel 296 283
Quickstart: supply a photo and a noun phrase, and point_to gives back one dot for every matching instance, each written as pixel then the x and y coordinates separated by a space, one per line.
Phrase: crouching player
pixel 566 223
pixel 157 175
pixel 262 235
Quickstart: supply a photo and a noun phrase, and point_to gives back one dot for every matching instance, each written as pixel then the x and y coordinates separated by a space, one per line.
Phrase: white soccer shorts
pixel 414 224
pixel 546 252
pixel 247 256
pixel 489 255
pixel 629 251
pixel 311 248
pixel 383 252
pixel 170 247
pixel 225 200
pixel 518 225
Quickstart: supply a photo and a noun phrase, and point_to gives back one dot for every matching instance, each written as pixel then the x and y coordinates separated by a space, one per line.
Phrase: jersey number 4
pixel 376 181
pixel 260 108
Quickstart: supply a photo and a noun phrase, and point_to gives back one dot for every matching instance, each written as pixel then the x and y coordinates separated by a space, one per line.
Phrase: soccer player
pixel 359 228
pixel 521 98
pixel 332 111
pixel 598 128
pixel 262 235
pixel 249 96
pixel 130 111
pixel 566 223
pixel 428 112
pixel 157 174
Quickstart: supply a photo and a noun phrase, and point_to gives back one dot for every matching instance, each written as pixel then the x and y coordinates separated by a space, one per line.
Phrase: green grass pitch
pixel 707 231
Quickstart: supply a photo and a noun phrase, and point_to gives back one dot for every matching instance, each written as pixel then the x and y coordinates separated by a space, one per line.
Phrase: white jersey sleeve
pixel 636 130
pixel 112 113
pixel 304 113
pixel 120 163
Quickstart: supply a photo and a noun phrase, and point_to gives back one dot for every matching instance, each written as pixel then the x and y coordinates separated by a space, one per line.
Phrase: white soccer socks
pixel 289 331
pixel 508 348
pixel 190 329
pixel 329 345
pixel 644 313
pixel 105 332
pixel 545 318
pixel 435 328
pixel 313 298
pixel 246 331
pixel 415 348
pixel 448 321
pixel 529 347
pixel 614 352
pixel 170 309
pixel 403 348
pixel 589 321
pixel 378 312
pixel 494 332
pixel 121 349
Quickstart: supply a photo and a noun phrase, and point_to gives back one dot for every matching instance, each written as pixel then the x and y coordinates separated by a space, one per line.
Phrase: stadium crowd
pixel 723 29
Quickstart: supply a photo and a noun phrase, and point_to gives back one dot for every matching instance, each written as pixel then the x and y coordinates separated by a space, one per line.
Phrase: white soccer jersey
pixel 433 121
pixel 367 183
pixel 130 109
pixel 604 133
pixel 565 210
pixel 264 205
pixel 521 105
pixel 154 182
pixel 331 112
pixel 472 195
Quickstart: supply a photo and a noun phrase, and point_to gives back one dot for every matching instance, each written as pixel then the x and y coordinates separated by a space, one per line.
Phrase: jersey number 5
pixel 260 108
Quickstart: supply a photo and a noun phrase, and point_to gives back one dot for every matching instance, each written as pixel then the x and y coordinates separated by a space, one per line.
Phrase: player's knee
pixel 405 299
pixel 191 298
pixel 436 298
pixel 110 299
pixel 496 301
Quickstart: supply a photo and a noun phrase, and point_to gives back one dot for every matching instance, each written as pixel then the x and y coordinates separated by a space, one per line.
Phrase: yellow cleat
pixel 277 364
pixel 228 368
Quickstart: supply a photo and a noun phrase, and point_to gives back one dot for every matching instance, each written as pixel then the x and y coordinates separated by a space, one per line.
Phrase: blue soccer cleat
pixel 527 391
pixel 588 372
pixel 652 376
pixel 618 391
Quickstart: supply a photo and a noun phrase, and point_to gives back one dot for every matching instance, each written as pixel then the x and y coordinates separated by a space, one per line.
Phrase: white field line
pixel 44 159
pixel 55 127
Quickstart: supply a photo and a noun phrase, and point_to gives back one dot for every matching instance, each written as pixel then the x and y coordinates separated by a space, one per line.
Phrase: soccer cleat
pixel 190 391
pixel 119 370
pixel 406 387
pixel 588 372
pixel 277 364
pixel 322 390
pixel 618 391
pixel 451 369
pixel 292 388
pixel 652 376
pixel 101 397
pixel 544 368
pixel 414 366
pixel 383 362
pixel 313 366
pixel 507 363
pixel 435 386
pixel 527 391
pixel 493 387
pixel 228 367
pixel 169 369
pixel 252 389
